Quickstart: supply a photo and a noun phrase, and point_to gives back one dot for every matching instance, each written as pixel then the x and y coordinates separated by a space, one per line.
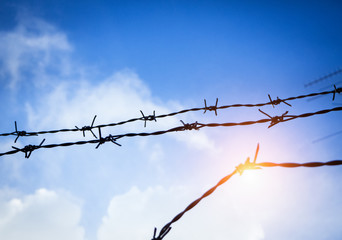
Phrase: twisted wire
pixel 154 117
pixel 295 165
pixel 186 126
pixel 239 169
pixel 338 71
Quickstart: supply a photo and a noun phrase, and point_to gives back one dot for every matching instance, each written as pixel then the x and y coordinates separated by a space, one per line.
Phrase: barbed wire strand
pixel 153 117
pixel 239 169
pixel 186 126
pixel 328 136
pixel 332 74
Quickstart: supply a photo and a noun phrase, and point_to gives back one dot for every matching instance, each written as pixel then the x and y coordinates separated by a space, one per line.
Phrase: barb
pixel 109 138
pixel 186 126
pixel 153 117
pixel 211 108
pixel 148 118
pixel 28 149
pixel 162 233
pixel 337 90
pixel 338 71
pixel 190 126
pixel 248 165
pixel 275 119
pixel 239 169
pixel 277 101
pixel 21 133
pixel 88 128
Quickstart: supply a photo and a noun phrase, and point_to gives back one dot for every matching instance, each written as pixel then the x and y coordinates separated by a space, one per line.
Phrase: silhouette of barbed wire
pixel 154 117
pixel 239 169
pixel 338 71
pixel 186 126
pixel 328 136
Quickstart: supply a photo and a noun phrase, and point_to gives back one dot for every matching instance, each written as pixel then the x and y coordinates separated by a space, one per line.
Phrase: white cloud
pixel 42 215
pixel 134 215
pixel 31 50
pixel 119 97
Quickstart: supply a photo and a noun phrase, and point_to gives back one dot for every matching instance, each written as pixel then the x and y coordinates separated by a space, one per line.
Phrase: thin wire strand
pixel 338 71
pixel 193 126
pixel 239 169
pixel 154 117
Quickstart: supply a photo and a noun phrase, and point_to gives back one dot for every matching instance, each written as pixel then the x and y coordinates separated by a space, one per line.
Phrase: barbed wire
pixel 338 71
pixel 186 126
pixel 154 117
pixel 239 169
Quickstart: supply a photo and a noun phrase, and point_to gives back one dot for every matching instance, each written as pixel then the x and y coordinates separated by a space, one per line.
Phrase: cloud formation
pixel 42 215
pixel 156 206
pixel 32 51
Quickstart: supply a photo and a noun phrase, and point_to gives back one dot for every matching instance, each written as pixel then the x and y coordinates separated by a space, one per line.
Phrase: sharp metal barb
pixel 162 233
pixel 88 128
pixel 276 119
pixel 92 123
pixel 256 154
pixel 154 117
pixel 265 113
pixel 28 149
pixel 190 126
pixel 186 126
pixel 148 118
pixel 337 90
pixel 271 100
pixel 19 133
pixel 277 101
pixel 210 108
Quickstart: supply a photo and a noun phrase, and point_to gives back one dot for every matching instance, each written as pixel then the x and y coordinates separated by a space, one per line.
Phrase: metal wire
pixel 338 71
pixel 239 169
pixel 154 117
pixel 186 126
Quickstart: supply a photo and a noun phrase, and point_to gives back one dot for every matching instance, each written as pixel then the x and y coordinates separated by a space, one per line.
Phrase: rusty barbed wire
pixel 154 117
pixel 186 126
pixel 239 169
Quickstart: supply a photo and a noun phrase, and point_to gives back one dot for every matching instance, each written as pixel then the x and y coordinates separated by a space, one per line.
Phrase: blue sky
pixel 63 62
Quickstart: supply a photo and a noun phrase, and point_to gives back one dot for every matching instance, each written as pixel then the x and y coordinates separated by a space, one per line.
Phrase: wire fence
pixel 271 120
pixel 154 117
pixel 248 165
pixel 27 150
